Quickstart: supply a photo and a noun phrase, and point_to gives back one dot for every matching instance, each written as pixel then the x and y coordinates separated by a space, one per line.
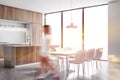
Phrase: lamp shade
pixel 71 26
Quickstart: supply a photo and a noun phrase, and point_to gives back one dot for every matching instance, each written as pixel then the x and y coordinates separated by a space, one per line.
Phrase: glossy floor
pixel 107 71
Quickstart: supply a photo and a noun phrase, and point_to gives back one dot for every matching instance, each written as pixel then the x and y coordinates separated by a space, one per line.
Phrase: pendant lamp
pixel 71 25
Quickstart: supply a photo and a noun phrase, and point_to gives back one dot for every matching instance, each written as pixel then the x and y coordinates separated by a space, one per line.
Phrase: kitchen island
pixel 21 54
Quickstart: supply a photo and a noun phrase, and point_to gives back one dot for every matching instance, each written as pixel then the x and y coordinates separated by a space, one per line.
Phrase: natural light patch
pixel 114 58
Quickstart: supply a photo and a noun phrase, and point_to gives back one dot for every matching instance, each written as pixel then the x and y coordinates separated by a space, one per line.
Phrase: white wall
pixel 114 30
pixel 46 6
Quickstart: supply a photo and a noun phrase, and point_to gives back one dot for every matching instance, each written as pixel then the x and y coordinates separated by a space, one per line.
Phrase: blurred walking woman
pixel 44 52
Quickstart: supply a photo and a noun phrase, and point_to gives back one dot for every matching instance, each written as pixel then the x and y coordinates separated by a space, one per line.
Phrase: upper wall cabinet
pixel 37 17
pixel 2 10
pixel 23 15
pixel 11 13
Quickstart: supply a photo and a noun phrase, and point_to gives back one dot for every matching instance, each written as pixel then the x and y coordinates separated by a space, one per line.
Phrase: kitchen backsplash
pixel 14 31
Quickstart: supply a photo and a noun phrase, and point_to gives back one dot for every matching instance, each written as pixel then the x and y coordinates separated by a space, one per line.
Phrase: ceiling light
pixel 71 24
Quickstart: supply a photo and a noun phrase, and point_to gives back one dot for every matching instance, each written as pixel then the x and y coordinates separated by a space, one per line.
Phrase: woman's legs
pixel 49 64
pixel 51 67
pixel 45 61
pixel 42 69
pixel 42 66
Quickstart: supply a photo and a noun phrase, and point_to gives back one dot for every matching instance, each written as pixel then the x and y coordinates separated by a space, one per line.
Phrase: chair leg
pixel 99 63
pixel 78 66
pixel 58 65
pixel 92 67
pixel 88 68
pixel 74 72
pixel 69 70
pixel 83 66
pixel 61 63
pixel 96 64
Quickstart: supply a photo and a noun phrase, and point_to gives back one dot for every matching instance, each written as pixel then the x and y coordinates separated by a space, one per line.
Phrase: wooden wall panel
pixel 37 17
pixel 2 11
pixel 21 54
pixel 1 51
pixel 19 15
pixel 36 33
pixel 11 13
pixel 25 55
pixel 30 57
pixel 8 13
pixel 37 54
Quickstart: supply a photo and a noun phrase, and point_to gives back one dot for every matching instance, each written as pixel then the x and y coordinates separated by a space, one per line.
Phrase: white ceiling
pixel 46 6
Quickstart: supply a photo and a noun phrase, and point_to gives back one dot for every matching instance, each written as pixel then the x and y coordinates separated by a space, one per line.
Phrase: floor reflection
pixel 107 71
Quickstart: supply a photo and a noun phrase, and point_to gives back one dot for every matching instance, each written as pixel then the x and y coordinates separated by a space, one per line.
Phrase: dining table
pixel 66 54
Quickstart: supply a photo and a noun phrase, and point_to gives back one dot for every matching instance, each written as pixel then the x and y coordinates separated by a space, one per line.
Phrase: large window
pixel 72 37
pixel 54 20
pixel 93 25
pixel 96 28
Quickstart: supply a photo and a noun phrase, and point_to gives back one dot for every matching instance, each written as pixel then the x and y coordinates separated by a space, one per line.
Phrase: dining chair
pixel 78 59
pixel 89 56
pixel 97 56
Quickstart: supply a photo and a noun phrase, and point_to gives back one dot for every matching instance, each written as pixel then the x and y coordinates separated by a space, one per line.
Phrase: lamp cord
pixel 71 10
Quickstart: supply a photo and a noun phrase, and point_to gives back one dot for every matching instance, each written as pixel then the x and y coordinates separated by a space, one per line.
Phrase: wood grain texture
pixel 25 55
pixel 17 14
pixel 2 11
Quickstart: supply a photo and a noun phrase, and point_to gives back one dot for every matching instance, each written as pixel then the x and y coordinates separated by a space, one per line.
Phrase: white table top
pixel 70 52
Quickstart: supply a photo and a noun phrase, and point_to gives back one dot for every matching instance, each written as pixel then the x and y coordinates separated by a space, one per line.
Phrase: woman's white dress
pixel 44 51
